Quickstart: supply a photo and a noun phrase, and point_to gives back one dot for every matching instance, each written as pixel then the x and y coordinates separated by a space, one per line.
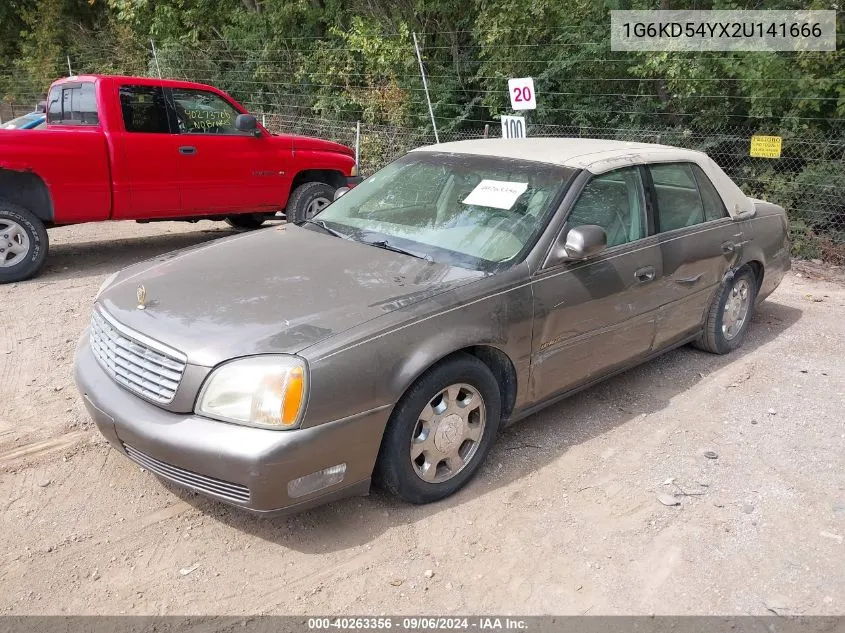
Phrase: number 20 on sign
pixel 522 93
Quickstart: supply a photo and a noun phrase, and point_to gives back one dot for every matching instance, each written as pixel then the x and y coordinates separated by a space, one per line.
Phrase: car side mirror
pixel 247 123
pixel 340 191
pixel 580 242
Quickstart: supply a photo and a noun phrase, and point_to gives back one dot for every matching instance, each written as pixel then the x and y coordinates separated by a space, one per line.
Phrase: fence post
pixel 155 57
pixel 358 145
pixel 425 87
pixel 69 69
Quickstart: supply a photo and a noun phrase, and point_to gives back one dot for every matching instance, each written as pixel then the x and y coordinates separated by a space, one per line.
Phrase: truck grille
pixel 209 485
pixel 148 368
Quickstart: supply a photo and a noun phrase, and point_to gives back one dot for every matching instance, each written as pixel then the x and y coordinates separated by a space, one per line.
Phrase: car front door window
pixel 613 201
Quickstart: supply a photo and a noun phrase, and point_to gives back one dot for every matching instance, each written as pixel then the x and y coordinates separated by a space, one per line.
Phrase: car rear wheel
pixel 730 314
pixel 441 431
pixel 23 243
pixel 307 200
pixel 246 220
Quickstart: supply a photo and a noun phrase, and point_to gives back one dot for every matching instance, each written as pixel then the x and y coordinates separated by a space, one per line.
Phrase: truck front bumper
pixel 248 467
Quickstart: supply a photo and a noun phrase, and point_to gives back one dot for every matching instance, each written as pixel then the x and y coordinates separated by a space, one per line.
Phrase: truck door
pixel 146 180
pixel 223 170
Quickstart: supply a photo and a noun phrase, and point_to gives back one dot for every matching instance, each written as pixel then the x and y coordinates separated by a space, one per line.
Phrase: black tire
pixel 713 339
pixel 394 468
pixel 302 198
pixel 33 259
pixel 246 221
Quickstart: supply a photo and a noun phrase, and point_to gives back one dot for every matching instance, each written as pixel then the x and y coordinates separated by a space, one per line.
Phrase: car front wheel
pixel 441 431
pixel 730 313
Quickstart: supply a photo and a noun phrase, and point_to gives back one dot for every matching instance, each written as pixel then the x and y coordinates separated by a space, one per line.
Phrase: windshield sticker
pixel 498 194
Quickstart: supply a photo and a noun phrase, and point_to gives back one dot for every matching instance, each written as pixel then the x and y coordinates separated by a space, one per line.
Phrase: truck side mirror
pixel 247 123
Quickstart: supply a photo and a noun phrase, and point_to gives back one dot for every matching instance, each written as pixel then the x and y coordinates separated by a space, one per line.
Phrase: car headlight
pixel 106 284
pixel 265 391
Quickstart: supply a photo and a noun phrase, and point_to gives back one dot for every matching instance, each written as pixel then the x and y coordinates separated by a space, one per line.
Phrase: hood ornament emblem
pixel 141 295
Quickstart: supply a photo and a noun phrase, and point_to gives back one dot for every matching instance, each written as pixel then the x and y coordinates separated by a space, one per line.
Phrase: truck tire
pixel 23 243
pixel 246 220
pixel 307 200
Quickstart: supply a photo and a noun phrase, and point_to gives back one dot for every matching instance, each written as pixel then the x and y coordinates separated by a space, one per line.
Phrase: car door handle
pixel 728 247
pixel 188 150
pixel 644 275
pixel 690 280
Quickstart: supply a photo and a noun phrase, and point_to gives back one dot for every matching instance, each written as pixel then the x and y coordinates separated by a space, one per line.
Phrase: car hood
pixel 277 290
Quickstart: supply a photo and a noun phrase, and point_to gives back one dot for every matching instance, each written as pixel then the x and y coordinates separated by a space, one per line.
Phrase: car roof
pixel 599 156
pixel 567 152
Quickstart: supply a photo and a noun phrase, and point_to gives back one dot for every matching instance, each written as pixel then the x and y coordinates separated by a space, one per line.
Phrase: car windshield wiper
pixel 326 228
pixel 390 247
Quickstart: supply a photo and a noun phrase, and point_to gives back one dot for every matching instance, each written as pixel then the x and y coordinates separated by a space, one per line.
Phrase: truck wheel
pixel 23 243
pixel 246 220
pixel 307 200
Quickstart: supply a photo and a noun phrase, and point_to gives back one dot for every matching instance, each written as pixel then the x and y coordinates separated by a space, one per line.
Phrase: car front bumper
pixel 239 465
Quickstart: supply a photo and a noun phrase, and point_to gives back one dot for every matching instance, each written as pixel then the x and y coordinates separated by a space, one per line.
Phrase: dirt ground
pixel 563 519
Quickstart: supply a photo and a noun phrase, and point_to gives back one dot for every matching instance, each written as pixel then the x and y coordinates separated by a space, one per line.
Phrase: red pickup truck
pixel 133 148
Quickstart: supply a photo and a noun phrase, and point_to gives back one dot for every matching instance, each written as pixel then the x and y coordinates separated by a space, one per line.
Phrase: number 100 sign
pixel 522 93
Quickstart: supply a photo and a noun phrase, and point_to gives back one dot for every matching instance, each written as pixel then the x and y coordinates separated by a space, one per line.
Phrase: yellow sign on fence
pixel 766 146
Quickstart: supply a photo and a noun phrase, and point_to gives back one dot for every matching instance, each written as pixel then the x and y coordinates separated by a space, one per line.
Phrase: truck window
pixel 73 104
pixel 144 109
pixel 202 112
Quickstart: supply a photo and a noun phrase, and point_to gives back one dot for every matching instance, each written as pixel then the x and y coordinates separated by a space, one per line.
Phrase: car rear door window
pixel 144 109
pixel 714 207
pixel 613 201
pixel 203 112
pixel 679 202
pixel 73 104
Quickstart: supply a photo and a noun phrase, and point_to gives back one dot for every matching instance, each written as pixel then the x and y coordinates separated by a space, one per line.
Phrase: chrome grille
pixel 147 368
pixel 203 483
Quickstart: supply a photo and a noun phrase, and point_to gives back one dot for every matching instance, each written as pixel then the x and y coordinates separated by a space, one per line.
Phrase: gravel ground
pixel 565 517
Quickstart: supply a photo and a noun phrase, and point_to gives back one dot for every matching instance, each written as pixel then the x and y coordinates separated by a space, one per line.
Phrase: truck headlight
pixel 266 391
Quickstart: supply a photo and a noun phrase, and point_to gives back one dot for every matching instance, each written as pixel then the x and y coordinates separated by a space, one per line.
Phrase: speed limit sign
pixel 522 93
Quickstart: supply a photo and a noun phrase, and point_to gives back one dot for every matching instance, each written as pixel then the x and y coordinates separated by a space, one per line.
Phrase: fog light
pixel 316 481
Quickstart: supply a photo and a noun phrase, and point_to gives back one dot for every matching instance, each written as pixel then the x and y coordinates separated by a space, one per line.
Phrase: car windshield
pixel 25 121
pixel 472 211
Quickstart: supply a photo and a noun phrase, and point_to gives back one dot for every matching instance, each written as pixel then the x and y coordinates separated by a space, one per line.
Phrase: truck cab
pixel 136 148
